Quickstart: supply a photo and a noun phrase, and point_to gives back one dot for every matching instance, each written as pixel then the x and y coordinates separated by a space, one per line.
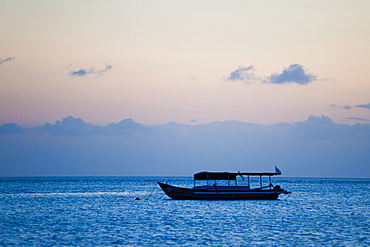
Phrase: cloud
pixel 125 126
pixel 71 126
pixel 243 74
pixel 295 73
pixel 357 118
pixel 346 107
pixel 192 77
pixel 6 60
pixel 314 147
pixel 92 70
pixel 10 128
pixel 367 106
pixel 68 126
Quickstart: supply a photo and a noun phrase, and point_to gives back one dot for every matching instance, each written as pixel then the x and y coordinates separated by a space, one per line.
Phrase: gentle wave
pixel 104 212
pixel 68 194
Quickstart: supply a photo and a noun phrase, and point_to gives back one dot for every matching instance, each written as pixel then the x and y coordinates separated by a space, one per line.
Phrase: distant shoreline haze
pixel 316 147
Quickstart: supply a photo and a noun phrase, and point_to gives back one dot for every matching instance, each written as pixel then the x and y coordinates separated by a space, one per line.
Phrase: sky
pixel 192 62
pixel 76 76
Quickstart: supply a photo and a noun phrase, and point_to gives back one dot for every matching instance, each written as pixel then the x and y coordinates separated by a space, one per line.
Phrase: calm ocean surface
pixel 86 211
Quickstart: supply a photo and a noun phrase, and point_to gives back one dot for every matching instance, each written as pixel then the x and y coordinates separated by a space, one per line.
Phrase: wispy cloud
pixel 91 70
pixel 367 106
pixel 346 107
pixel 295 73
pixel 357 118
pixel 6 60
pixel 245 74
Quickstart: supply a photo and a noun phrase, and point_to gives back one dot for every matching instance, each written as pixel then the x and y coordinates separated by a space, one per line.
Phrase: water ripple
pixel 104 212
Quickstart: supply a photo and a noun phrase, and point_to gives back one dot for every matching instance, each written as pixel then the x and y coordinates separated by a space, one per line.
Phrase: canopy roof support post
pixel 249 184
pixel 270 181
pixel 261 180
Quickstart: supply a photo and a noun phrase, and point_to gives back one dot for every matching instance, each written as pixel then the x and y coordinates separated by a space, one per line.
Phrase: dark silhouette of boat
pixel 229 191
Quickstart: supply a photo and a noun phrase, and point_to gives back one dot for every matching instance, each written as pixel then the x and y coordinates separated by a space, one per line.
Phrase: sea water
pixel 102 211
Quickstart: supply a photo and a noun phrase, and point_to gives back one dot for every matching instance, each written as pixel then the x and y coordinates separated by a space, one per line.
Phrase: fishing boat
pixel 224 186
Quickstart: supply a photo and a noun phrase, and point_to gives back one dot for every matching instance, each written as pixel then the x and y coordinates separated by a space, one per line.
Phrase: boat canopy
pixel 229 175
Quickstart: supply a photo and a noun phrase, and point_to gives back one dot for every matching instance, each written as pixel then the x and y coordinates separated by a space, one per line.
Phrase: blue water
pixel 86 211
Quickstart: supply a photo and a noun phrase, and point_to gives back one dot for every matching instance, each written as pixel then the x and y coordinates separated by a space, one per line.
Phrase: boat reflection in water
pixel 229 190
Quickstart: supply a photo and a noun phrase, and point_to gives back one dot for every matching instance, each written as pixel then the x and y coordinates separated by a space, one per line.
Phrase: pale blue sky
pixel 162 61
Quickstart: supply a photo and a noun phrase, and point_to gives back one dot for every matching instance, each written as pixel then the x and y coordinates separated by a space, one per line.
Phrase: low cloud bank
pixel 314 147
pixel 10 128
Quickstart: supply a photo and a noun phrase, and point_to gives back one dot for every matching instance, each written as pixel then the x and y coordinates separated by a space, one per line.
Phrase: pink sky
pixel 162 61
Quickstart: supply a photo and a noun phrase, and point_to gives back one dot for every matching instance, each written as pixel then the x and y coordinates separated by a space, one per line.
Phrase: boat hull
pixel 178 193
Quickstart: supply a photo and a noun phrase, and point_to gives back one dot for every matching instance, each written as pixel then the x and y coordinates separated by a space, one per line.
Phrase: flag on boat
pixel 277 170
